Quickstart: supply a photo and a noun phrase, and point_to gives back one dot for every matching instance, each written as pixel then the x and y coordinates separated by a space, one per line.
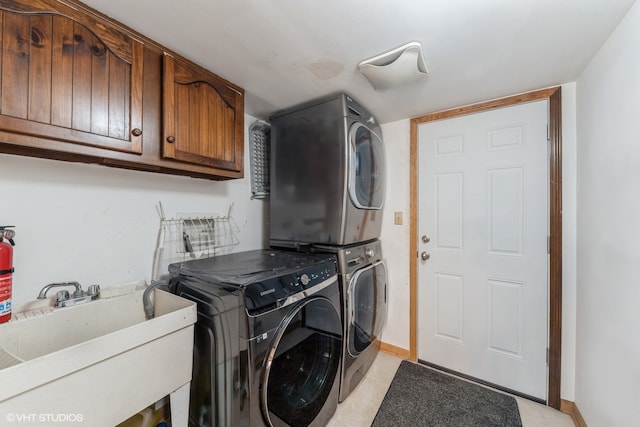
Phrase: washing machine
pixel 363 286
pixel 268 338
pixel 327 174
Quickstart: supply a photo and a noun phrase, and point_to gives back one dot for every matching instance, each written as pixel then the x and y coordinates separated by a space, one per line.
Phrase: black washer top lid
pixel 244 268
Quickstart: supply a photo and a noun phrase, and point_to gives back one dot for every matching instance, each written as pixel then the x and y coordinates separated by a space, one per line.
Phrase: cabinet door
pixel 203 117
pixel 69 76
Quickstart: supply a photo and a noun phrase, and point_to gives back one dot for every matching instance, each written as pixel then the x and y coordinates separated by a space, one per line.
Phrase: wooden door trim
pixel 555 222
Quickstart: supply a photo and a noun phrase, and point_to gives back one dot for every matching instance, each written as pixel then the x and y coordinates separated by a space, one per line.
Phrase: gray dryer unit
pixel 327 174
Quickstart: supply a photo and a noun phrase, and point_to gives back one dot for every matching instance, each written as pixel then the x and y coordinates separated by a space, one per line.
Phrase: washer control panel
pixel 355 257
pixel 308 278
pixel 268 294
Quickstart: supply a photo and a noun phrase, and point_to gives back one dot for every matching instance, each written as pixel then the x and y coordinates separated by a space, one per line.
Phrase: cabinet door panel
pixel 203 117
pixel 40 69
pixel 15 79
pixel 118 118
pixel 68 76
pixel 100 87
pixel 82 60
pixel 62 72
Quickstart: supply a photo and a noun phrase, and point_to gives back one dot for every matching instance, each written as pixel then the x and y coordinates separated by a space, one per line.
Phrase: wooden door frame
pixel 555 222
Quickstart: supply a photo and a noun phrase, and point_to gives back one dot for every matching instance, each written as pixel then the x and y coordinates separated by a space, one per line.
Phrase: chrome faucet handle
pixel 62 296
pixel 93 291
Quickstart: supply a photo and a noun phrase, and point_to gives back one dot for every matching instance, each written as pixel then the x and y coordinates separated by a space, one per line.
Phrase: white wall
pixel 99 225
pixel 395 238
pixel 608 259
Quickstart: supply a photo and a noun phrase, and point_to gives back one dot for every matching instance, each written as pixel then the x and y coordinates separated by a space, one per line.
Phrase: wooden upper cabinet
pixel 69 76
pixel 203 117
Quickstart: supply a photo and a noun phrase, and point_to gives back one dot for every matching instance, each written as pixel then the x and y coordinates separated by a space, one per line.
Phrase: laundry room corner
pixel 395 237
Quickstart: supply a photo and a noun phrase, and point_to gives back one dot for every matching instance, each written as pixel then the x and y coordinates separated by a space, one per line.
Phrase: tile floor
pixel 360 408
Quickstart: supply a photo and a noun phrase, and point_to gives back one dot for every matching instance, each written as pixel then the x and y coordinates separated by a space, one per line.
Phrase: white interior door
pixel 483 224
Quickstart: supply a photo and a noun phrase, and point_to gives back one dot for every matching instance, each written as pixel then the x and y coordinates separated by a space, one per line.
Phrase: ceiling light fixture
pixel 397 67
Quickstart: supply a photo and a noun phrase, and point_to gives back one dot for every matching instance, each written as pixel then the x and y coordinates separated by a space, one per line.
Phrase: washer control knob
pixel 304 279
pixel 370 253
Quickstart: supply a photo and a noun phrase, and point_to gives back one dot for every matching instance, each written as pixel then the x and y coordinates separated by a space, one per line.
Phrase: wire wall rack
pixel 192 236
pixel 260 143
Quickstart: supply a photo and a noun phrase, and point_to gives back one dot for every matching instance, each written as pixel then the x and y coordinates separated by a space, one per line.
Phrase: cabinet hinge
pixel 547 356
pixel 548 244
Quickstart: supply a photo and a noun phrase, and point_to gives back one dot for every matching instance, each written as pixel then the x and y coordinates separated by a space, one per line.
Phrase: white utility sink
pixel 97 363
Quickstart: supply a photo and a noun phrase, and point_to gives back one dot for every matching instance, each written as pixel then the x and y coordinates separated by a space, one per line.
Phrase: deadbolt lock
pixel 426 239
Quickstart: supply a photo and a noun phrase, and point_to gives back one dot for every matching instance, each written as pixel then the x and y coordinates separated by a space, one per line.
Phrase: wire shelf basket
pixel 192 236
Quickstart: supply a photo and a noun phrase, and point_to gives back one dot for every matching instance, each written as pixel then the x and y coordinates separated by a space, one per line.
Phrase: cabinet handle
pixel 136 132
pixel 171 139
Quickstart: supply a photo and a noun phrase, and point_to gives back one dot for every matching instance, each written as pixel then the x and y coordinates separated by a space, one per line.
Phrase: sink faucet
pixel 79 296
pixel 78 292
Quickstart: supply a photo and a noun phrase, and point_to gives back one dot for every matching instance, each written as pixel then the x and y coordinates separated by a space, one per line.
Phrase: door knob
pixel 425 256
pixel 426 239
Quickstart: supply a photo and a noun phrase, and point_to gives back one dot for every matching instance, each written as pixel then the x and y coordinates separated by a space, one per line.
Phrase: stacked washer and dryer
pixel 286 333
pixel 327 193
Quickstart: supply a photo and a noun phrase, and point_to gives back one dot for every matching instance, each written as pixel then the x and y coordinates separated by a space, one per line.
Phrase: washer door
pixel 302 363
pixel 366 168
pixel 367 307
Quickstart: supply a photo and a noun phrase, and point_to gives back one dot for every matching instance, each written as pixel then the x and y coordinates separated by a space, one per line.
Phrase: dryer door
pixel 302 364
pixel 367 307
pixel 366 168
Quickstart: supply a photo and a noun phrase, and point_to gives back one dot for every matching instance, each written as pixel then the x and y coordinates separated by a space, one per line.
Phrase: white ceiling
pixel 283 52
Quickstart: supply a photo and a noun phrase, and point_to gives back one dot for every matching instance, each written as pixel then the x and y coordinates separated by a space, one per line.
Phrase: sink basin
pixel 100 361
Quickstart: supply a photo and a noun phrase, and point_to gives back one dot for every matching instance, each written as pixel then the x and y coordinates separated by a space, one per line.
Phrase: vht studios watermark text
pixel 44 418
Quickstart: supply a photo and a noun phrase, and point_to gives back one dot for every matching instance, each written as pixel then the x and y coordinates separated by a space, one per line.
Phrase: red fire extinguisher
pixel 6 271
